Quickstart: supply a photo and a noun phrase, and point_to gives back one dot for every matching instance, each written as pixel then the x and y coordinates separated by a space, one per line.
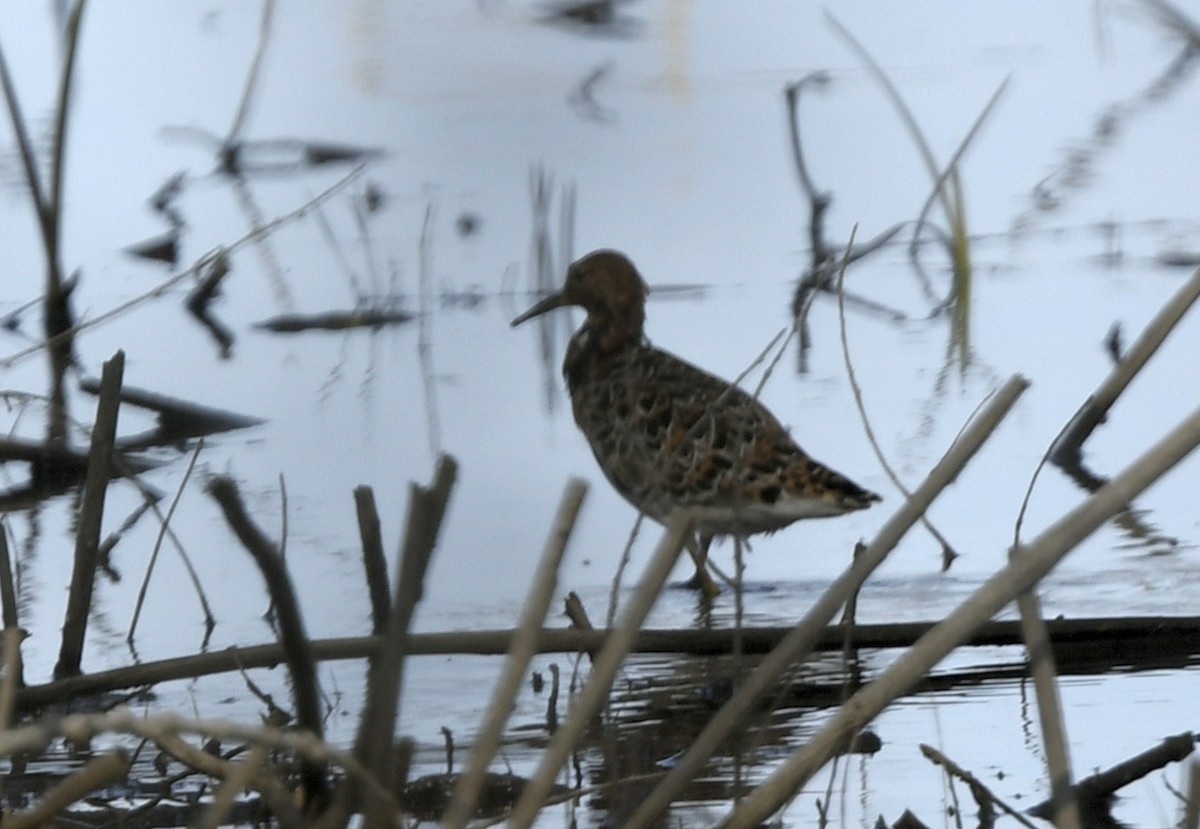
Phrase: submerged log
pixel 334 320
pixel 1142 642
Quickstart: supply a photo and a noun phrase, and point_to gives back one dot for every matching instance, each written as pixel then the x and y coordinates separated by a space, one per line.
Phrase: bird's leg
pixel 697 547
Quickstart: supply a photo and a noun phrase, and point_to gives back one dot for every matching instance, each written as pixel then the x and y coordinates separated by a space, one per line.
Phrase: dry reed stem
pixel 1067 450
pixel 8 592
pixel 158 540
pixel 11 639
pixel 1049 707
pixel 239 775
pixel 266 783
pixel 374 561
pixel 524 646
pixel 260 52
pixel 860 406
pixel 975 783
pixel 95 774
pixel 1191 810
pixel 608 661
pixel 801 639
pixel 80 728
pixel 381 710
pixel 91 514
pixel 1022 572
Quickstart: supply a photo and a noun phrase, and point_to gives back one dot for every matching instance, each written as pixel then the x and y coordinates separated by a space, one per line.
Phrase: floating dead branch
pixel 592 17
pixel 335 320
pixel 1095 793
pixel 53 467
pixel 178 419
pixel 162 248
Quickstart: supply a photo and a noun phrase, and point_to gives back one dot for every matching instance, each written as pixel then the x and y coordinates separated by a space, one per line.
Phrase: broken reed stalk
pixel 381 709
pixel 1049 707
pixel 10 647
pixel 801 639
pixel 524 646
pixel 8 592
pixel 96 773
pixel 1022 572
pixel 91 513
pixel 11 636
pixel 1068 449
pixel 301 664
pixel 374 561
pixel 1191 809
pixel 608 661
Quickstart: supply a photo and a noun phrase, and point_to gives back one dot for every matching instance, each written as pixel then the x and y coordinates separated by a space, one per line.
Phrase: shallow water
pixel 678 155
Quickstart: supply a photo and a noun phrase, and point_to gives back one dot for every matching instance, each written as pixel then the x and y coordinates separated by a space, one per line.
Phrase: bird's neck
pixel 600 340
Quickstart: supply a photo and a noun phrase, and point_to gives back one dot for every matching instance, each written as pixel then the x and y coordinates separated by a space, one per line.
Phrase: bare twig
pixel 948 550
pixel 10 648
pixel 260 52
pixel 162 531
pixel 975 783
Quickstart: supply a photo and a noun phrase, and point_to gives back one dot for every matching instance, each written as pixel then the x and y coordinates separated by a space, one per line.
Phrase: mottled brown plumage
pixel 669 435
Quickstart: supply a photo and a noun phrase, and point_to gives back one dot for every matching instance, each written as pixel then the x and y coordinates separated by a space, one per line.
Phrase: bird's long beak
pixel 549 303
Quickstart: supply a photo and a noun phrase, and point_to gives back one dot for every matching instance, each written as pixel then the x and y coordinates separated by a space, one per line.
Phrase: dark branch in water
pixel 301 662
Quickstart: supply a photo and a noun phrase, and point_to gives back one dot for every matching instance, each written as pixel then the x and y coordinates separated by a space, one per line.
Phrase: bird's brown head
pixel 606 285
